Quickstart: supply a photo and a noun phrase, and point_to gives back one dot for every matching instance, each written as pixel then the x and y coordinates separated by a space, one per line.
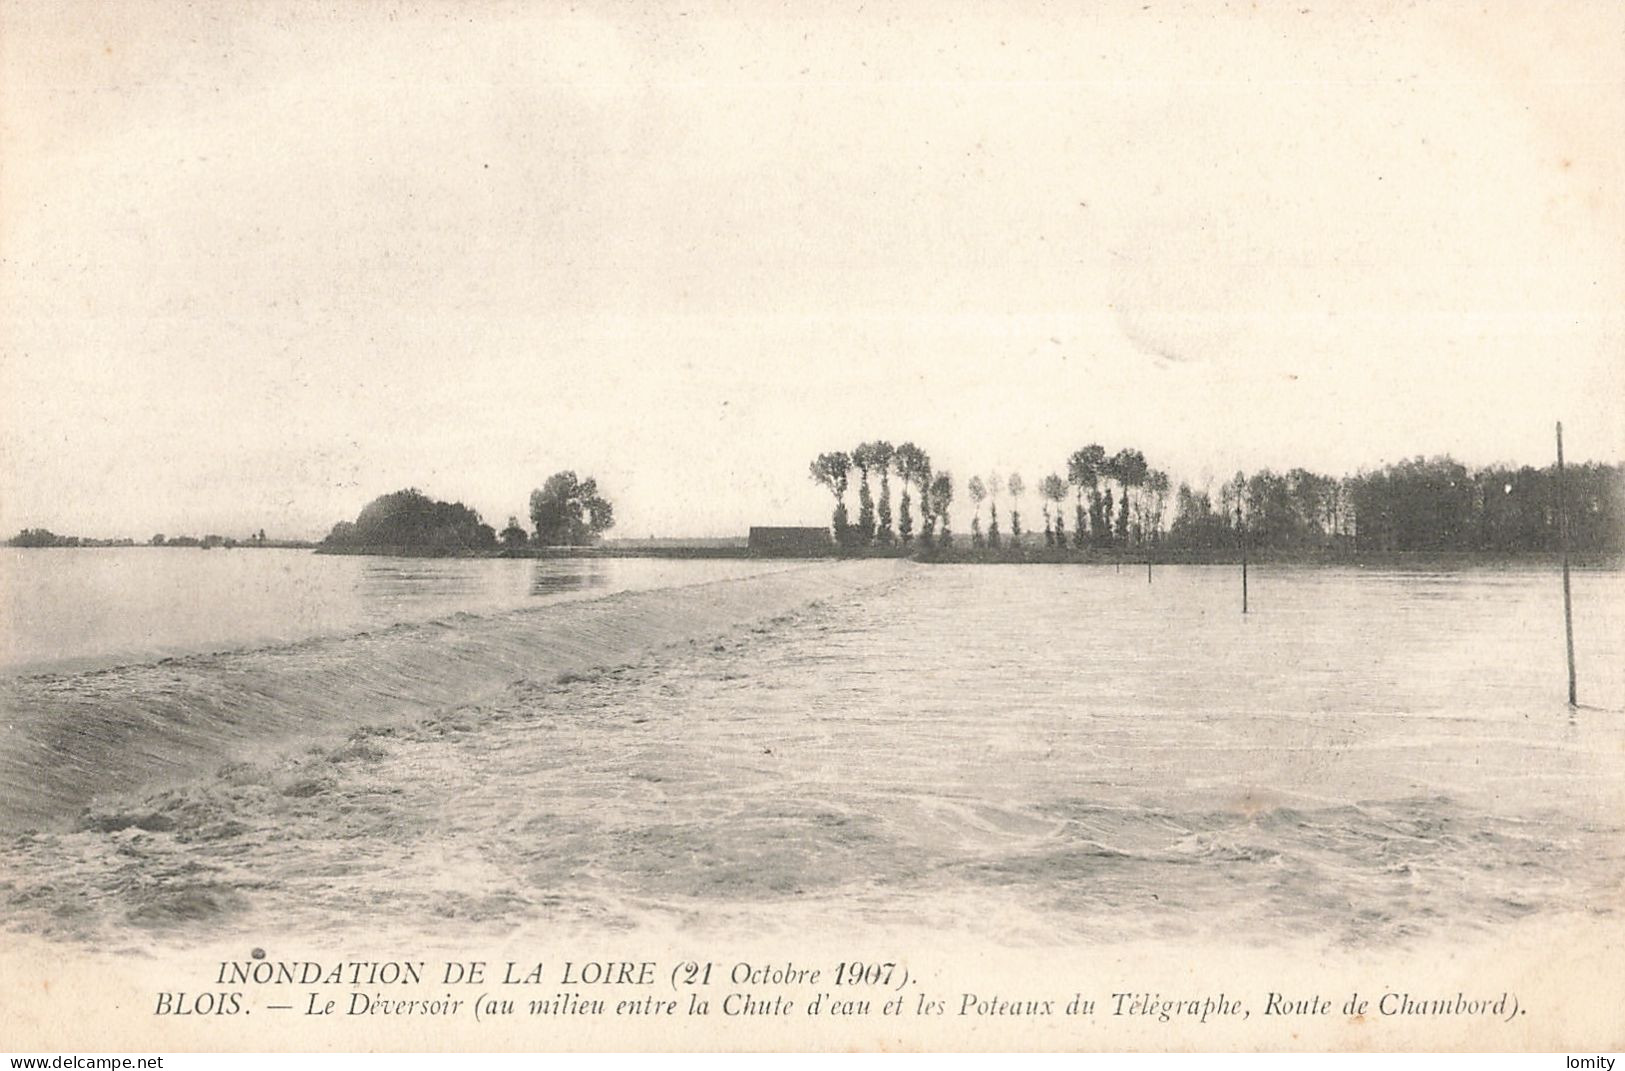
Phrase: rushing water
pixel 87 607
pixel 1023 752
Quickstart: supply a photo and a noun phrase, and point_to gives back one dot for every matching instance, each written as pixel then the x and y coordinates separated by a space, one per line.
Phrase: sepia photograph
pixel 765 526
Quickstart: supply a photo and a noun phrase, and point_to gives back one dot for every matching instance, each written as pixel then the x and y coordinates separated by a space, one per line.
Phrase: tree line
pixel 44 537
pixel 931 492
pixel 566 511
pixel 1119 500
pixel 1420 504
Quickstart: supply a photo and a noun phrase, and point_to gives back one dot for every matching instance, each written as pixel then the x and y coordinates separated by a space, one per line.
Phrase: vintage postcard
pixel 743 525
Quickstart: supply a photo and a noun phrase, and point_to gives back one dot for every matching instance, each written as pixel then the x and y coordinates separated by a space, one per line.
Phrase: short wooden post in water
pixel 1563 540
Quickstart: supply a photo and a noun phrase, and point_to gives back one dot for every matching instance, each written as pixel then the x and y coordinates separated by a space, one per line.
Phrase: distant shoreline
pixel 1027 555
pixel 76 543
pixel 677 551
pixel 962 555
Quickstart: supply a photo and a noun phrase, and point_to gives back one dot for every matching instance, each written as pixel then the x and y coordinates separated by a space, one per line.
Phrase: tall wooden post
pixel 1242 526
pixel 1563 537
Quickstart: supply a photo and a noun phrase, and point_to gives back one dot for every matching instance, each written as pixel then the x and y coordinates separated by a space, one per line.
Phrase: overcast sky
pixel 262 263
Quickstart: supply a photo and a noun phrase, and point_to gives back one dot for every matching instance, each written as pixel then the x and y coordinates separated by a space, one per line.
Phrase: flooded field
pixel 1023 754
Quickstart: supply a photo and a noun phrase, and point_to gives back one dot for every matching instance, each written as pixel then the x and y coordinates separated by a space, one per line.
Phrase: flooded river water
pixel 1025 753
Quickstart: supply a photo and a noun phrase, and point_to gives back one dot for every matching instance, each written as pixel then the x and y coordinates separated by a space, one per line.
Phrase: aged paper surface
pixel 262 263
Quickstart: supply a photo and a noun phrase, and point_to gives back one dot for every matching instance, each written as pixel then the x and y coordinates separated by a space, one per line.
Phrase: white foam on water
pixel 1025 754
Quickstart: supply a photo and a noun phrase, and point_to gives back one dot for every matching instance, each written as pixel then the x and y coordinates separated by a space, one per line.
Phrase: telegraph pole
pixel 1563 538
pixel 1241 524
